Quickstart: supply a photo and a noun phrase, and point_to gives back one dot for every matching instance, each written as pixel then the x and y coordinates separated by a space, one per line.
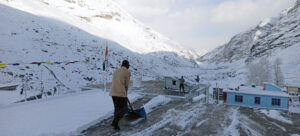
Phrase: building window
pixel 257 100
pixel 174 82
pixel 238 98
pixel 275 102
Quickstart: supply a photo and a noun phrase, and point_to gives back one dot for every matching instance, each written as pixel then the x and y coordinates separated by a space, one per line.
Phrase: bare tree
pixel 258 73
pixel 265 70
pixel 278 75
pixel 253 77
pixel 25 85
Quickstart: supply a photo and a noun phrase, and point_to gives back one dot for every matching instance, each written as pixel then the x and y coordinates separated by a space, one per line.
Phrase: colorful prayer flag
pixel 48 62
pixel 2 65
pixel 39 63
pixel 16 64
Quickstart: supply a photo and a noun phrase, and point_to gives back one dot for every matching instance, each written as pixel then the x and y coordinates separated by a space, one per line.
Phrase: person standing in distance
pixel 118 91
pixel 181 85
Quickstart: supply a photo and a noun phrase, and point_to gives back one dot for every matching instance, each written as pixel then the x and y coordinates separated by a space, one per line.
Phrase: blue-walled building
pixel 268 96
pixel 271 87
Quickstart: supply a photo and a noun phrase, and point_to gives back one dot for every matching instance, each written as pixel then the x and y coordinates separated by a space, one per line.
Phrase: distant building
pixel 268 96
pixel 215 93
pixel 193 90
pixel 173 84
pixel 271 87
pixel 293 90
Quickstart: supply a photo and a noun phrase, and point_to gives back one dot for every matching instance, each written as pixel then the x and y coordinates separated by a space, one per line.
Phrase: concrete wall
pixel 169 83
pixel 265 101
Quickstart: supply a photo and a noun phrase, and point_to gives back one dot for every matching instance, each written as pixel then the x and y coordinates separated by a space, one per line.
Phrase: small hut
pixel 173 84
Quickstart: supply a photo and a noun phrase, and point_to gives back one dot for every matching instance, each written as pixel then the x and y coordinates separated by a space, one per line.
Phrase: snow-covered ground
pixel 60 115
pixel 70 114
pixel 66 31
pixel 275 114
pixel 8 97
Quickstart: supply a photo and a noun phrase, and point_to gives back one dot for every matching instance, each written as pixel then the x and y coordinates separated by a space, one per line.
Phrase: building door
pixel 225 96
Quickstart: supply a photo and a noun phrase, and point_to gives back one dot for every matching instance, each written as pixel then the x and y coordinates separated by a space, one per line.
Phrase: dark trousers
pixel 120 104
pixel 181 86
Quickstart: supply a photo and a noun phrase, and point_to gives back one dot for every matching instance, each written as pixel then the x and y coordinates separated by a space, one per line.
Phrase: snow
pixel 200 123
pixel 8 84
pixel 246 124
pixel 64 31
pixel 281 127
pixel 56 115
pixel 232 128
pixel 8 97
pixel 275 114
pixel 268 21
pixel 295 107
pixel 155 102
pixel 74 30
pixel 197 98
pixel 249 88
pixel 257 34
pixel 156 126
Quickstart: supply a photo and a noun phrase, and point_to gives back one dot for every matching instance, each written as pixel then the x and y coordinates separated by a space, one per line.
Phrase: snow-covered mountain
pixel 277 37
pixel 79 30
pixel 268 36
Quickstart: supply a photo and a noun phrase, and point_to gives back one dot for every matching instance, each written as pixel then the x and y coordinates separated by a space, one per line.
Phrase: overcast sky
pixel 203 24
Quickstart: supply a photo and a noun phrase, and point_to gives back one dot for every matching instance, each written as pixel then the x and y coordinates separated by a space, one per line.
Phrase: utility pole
pixel 217 93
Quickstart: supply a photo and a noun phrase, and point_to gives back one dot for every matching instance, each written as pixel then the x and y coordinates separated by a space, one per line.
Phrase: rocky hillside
pixel 77 31
pixel 268 37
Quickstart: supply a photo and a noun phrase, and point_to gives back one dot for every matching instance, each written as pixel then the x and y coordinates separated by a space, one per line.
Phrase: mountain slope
pixel 270 35
pixel 79 30
pixel 273 38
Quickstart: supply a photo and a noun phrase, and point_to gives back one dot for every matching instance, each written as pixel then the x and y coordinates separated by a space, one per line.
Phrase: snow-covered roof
pixel 260 92
pixel 249 88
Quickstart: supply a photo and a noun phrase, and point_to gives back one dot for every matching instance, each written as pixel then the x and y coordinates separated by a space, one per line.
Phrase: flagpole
pixel 105 67
pixel 105 82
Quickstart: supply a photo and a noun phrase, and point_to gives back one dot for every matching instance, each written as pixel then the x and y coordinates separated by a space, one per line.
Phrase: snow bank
pixel 295 107
pixel 156 101
pixel 7 97
pixel 198 98
pixel 61 115
pixel 275 114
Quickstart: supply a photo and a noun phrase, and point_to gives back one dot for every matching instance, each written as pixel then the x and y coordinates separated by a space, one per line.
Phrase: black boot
pixel 116 127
